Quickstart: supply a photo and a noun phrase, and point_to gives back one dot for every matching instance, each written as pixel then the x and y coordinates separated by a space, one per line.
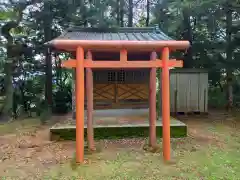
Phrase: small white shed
pixel 188 90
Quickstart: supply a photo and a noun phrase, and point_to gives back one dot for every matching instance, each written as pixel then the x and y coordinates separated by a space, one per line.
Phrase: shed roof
pixel 115 38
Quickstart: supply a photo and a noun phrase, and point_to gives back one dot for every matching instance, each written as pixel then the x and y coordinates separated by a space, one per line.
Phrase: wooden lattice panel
pixel 132 92
pixel 105 92
pixel 120 92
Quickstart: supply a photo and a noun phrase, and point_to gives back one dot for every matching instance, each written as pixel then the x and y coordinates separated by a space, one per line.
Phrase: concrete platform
pixel 117 123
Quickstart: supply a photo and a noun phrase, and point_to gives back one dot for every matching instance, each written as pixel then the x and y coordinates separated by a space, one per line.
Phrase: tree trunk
pixel 130 13
pixel 7 111
pixel 148 13
pixel 101 21
pixel 58 69
pixel 229 53
pixel 118 12
pixel 48 60
pixel 48 85
pixel 187 35
pixel 84 13
pixel 122 13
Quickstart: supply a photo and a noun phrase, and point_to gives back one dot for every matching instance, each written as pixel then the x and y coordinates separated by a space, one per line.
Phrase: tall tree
pixel 229 54
pixel 130 13
pixel 118 12
pixel 13 51
pixel 47 26
pixel 187 35
pixel 122 3
pixel 148 13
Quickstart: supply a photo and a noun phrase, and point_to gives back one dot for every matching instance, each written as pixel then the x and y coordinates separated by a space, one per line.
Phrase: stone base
pixel 117 131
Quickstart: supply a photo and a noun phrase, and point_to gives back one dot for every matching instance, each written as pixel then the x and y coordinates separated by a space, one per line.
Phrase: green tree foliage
pixel 211 26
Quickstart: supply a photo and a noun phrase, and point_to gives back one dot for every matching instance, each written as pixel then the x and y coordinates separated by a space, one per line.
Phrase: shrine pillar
pixel 152 103
pixel 80 105
pixel 166 104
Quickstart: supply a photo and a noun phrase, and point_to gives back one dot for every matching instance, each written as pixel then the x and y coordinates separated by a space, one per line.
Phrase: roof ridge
pixel 111 29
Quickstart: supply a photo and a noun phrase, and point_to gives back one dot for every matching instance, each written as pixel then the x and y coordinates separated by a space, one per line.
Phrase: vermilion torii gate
pixel 123 46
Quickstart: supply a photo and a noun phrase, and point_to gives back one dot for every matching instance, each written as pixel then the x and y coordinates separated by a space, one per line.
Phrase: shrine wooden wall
pixel 119 88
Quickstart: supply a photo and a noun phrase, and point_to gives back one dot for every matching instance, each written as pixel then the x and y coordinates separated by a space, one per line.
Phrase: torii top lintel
pixel 110 39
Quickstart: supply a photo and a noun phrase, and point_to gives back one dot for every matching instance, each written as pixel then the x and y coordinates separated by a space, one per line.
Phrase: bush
pixel 62 101
pixel 216 98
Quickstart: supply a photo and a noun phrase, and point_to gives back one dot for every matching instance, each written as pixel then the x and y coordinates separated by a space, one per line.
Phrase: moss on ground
pixel 116 132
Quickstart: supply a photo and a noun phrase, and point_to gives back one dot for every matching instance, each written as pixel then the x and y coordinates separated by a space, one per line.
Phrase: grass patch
pixel 210 163
pixel 212 152
pixel 18 125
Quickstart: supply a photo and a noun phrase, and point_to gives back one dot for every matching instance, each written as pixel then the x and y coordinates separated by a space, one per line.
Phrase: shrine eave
pixel 115 45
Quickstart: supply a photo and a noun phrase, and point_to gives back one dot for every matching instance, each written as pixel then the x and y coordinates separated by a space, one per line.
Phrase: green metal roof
pixel 121 33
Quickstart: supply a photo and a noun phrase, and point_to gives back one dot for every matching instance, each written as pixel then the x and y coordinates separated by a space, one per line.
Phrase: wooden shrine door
pixel 120 88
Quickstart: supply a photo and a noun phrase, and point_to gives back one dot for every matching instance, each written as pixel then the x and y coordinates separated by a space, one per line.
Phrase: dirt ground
pixel 26 152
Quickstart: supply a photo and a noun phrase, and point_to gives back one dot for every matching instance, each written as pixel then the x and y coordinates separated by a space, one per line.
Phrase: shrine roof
pixel 110 38
pixel 121 33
